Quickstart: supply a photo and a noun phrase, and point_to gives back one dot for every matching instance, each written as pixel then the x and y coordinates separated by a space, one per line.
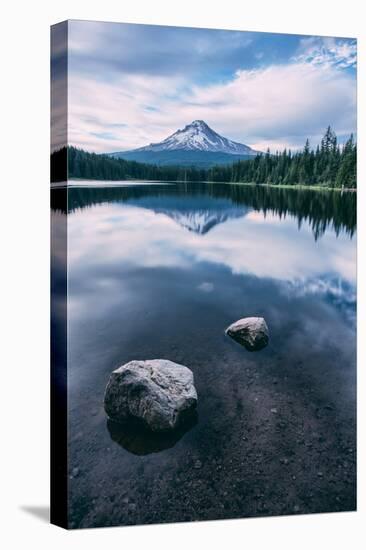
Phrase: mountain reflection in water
pixel 320 209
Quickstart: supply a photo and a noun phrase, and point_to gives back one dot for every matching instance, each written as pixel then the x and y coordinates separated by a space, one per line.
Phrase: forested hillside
pixel 328 165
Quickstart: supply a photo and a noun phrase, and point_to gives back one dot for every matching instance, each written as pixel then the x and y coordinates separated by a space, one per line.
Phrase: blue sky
pixel 130 85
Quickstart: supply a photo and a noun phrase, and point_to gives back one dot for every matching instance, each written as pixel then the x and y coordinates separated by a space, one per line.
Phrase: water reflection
pixel 161 271
pixel 319 209
pixel 197 213
pixel 160 232
pixel 333 289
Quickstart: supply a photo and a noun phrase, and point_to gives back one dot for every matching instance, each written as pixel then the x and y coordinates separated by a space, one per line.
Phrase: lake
pixel 160 271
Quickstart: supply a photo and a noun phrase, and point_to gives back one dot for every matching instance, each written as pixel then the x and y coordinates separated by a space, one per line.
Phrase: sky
pixel 130 85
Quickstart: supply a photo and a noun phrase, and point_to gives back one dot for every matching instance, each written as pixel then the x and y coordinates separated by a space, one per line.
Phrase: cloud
pixel 328 52
pixel 105 135
pixel 117 109
pixel 130 85
pixel 58 86
pixel 109 49
pixel 206 287
pixel 276 106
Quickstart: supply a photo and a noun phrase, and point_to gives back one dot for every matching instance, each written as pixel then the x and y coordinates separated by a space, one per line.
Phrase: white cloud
pixel 118 108
pixel 328 52
pixel 275 106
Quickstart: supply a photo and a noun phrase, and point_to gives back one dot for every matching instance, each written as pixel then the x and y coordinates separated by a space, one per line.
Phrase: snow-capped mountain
pixel 194 145
pixel 198 136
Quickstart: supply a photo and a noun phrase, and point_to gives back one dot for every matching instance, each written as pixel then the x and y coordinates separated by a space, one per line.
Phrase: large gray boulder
pixel 250 332
pixel 157 392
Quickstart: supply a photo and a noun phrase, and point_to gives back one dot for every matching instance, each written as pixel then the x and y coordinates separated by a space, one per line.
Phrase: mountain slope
pixel 196 144
pixel 198 159
pixel 198 136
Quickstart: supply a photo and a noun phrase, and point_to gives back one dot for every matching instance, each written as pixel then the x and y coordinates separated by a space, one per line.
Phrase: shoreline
pixel 105 183
pixel 297 186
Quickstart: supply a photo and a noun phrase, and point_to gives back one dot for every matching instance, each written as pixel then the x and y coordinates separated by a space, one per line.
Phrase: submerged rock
pixel 158 392
pixel 250 332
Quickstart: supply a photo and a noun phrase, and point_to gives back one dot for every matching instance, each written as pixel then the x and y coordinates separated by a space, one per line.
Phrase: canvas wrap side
pixel 59 35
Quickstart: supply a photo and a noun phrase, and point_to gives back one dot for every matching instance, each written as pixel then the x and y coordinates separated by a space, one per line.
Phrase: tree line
pixel 330 164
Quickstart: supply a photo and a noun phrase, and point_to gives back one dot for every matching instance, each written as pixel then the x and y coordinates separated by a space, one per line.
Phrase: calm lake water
pixel 159 271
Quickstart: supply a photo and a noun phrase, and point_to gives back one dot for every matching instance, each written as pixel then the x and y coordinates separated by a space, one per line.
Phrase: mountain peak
pixel 198 123
pixel 198 136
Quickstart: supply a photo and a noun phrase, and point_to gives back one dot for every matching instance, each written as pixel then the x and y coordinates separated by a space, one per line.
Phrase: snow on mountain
pixel 198 136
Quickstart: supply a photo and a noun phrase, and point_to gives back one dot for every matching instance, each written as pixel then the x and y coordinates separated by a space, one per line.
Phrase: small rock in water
pixel 157 392
pixel 75 472
pixel 198 464
pixel 250 332
pixel 274 411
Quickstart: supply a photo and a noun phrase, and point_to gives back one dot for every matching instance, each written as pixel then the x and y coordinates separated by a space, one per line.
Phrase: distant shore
pixel 116 183
pixel 297 186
